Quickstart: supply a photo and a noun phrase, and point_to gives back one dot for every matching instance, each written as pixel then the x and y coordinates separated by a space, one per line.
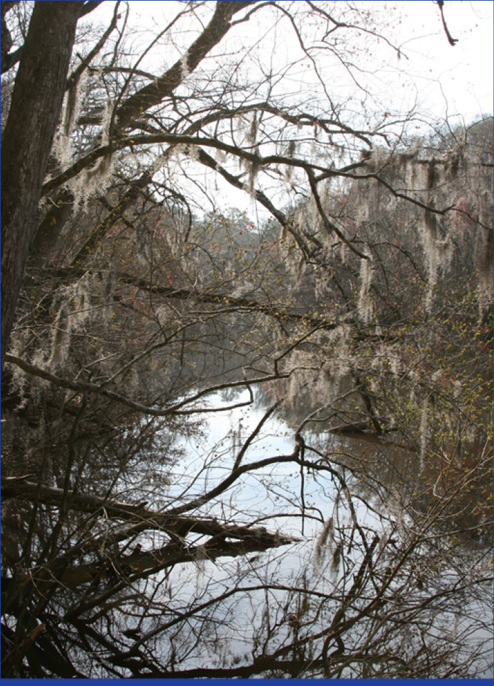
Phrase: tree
pixel 132 545
pixel 33 117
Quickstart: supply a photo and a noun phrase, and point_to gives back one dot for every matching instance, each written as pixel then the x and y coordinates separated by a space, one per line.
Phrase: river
pixel 439 555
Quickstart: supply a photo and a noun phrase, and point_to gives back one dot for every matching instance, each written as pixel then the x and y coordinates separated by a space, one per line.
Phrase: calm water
pixel 384 495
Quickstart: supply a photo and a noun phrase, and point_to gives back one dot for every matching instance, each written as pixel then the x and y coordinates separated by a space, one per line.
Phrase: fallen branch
pixel 19 487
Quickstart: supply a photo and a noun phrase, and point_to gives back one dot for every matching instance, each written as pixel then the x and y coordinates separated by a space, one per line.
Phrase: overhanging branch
pixel 15 487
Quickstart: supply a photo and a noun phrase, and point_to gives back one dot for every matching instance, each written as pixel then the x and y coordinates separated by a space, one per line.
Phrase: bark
pixel 33 117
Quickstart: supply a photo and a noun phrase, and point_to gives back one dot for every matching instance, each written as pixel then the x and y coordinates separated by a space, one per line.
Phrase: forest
pixel 246 350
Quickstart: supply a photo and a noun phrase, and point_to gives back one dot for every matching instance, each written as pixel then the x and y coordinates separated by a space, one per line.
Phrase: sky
pixel 439 80
pixel 448 80
pixel 452 80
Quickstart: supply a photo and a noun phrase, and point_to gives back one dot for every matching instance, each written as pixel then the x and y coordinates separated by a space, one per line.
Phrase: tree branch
pixel 19 487
pixel 155 92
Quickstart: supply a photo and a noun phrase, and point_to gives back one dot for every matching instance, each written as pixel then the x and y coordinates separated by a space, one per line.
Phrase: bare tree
pixel 136 545
pixel 33 117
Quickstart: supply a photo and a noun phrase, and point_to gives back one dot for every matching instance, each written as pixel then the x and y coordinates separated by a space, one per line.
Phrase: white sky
pixel 450 80
pixel 441 81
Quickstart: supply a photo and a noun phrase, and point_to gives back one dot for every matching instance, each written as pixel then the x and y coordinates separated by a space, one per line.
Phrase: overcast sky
pixel 432 77
pixel 450 80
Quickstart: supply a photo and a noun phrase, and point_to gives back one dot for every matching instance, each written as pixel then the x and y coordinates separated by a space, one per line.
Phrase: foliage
pixel 356 312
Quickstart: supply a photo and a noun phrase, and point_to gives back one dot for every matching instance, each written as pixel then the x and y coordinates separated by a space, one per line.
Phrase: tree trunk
pixel 33 117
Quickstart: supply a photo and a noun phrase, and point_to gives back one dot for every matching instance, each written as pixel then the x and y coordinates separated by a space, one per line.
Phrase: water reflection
pixel 430 537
